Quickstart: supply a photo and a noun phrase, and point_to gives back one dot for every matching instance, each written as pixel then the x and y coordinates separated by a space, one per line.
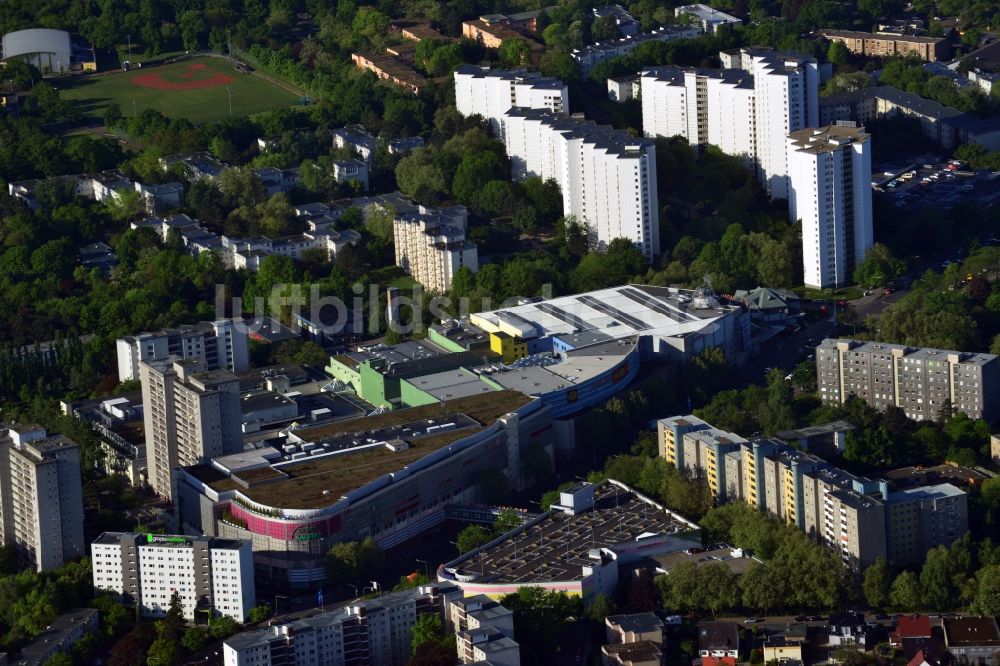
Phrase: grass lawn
pixel 194 89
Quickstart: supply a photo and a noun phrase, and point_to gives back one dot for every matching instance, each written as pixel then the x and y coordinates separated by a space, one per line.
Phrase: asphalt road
pixel 784 351
pixel 873 304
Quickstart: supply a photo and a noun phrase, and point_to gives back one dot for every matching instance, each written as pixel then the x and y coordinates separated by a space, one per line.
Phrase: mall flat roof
pixel 315 482
pixel 617 312
pixel 556 546
pixel 458 383
pixel 577 367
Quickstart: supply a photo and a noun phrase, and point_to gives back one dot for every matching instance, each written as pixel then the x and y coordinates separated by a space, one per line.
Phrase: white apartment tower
pixel 829 171
pixel 222 343
pixel 490 93
pixel 431 246
pixel 41 496
pixel 704 106
pixel 607 178
pixel 209 575
pixel 369 631
pixel 787 99
pixel 191 414
pixel 747 110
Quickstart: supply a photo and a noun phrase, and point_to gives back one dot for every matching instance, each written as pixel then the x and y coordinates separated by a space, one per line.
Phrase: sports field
pixel 195 89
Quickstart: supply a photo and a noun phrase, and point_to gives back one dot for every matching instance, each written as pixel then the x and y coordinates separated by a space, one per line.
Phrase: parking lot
pixel 938 185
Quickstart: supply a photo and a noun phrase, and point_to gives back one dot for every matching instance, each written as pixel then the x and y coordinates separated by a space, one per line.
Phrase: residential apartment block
pixel 431 246
pixel 211 576
pixel 786 99
pixel 484 630
pixel 746 110
pixel 607 178
pixel 59 637
pixel 370 631
pixel 941 124
pixel 248 253
pixel 490 93
pixel 924 518
pixel 919 381
pixel 191 414
pixel 858 517
pixel 494 29
pixel 829 172
pixel 351 171
pixel 358 139
pixel 634 640
pixel 705 106
pixel 885 45
pixel 711 19
pixel 41 496
pixel 588 56
pixel 221 343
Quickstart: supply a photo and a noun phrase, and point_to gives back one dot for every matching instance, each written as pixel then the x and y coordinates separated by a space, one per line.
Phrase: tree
pixel 762 587
pixel 463 282
pixel 114 616
pixel 877 584
pixel 514 53
pixel 435 654
pixel 838 54
pixel 132 648
pixel 705 373
pixel 474 172
pixel 935 579
pixel 370 23
pixel 379 222
pixel 878 267
pixel 419 176
pixel 112 115
pixel 259 613
pixel 507 520
pixel 59 659
pixel 604 28
pixel 163 652
pixel 601 607
pixel 56 257
pixel 223 627
pixel 350 561
pixel 428 629
pixel 987 601
pixel 194 639
pixel 472 537
pixel 496 198
pixel 172 625
pixel 906 593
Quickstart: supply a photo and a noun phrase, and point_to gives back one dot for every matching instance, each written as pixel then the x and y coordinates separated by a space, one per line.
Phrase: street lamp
pixel 129 38
pixel 355 588
pixel 229 94
pixel 427 569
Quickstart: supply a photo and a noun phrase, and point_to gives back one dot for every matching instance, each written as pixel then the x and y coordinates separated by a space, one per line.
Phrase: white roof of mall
pixel 608 314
